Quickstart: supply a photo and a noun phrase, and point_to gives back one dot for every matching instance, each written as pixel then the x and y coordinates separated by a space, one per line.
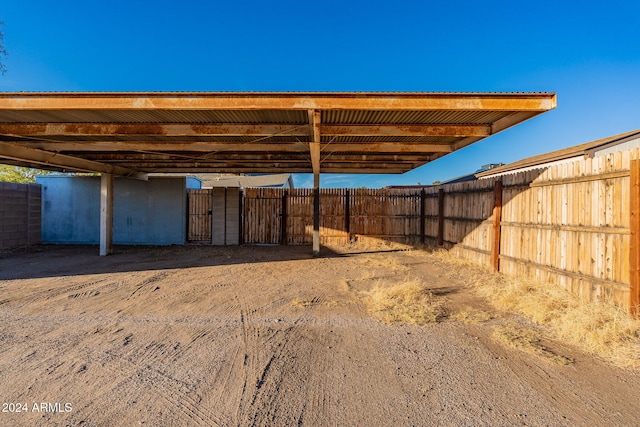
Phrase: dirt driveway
pixel 204 336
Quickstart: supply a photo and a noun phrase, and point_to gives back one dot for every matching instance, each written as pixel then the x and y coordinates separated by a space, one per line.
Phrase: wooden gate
pixel 200 211
pixel 214 216
pixel 263 215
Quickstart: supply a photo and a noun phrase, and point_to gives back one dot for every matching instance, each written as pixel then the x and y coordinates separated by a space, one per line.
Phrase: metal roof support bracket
pixel 63 161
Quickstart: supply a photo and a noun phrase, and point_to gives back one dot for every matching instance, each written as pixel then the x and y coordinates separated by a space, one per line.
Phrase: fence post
pixel 241 216
pixel 316 218
pixel 347 214
pixel 28 234
pixel 441 217
pixel 634 246
pixel 283 219
pixel 497 218
pixel 423 196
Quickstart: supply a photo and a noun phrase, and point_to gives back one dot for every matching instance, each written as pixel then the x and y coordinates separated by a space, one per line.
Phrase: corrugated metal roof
pixel 358 132
pixel 151 116
pixel 411 117
pixel 444 140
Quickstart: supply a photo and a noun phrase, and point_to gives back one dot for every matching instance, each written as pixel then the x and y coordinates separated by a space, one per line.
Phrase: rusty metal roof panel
pixel 365 139
pixel 410 117
pixel 154 116
pixel 39 128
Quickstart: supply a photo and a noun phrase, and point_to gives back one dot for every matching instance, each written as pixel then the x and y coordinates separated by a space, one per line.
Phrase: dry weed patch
pixel 598 328
pixel 409 302
pixel 471 315
pixel 528 340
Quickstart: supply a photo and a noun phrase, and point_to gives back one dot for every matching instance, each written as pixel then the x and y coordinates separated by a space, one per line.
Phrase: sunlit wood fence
pixel 278 216
pixel 20 214
pixel 575 224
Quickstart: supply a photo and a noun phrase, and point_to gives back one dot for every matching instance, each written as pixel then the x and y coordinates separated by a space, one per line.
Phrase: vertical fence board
pixel 634 252
pixel 571 224
pixel 497 217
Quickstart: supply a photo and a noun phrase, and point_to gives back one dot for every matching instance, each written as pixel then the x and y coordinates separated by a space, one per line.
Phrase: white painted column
pixel 106 214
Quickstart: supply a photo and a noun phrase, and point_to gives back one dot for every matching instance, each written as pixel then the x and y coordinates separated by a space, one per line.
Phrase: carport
pixel 135 134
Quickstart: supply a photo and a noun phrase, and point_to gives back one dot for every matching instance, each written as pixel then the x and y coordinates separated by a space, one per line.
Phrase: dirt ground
pixel 269 336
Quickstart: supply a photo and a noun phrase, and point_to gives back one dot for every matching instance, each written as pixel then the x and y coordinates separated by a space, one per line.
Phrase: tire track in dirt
pixel 535 374
pixel 203 332
pixel 158 356
pixel 222 345
pixel 262 398
pixel 54 291
pixel 177 393
pixel 148 285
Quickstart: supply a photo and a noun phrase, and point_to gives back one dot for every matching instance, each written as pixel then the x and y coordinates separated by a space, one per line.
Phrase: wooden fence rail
pixel 568 224
pixel 278 216
pixel 20 214
pixel 575 224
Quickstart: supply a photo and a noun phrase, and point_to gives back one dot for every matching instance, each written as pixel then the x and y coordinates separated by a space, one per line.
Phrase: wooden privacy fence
pixel 278 216
pixel 575 224
pixel 20 214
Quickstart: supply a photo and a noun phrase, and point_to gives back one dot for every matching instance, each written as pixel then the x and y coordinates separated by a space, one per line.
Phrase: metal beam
pixel 307 169
pixel 46 158
pixel 464 142
pixel 314 146
pixel 278 101
pixel 335 147
pixel 284 166
pixel 145 129
pixel 510 120
pixel 251 157
pixel 232 129
pixel 406 130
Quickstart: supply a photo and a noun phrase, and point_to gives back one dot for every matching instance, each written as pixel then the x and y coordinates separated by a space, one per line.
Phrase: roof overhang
pixel 543 160
pixel 133 134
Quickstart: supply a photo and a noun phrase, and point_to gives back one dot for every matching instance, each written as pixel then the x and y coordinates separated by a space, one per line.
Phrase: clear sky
pixel 587 52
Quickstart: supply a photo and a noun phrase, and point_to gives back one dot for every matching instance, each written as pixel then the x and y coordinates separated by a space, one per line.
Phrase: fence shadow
pixel 46 261
pixel 73 260
pixel 568 224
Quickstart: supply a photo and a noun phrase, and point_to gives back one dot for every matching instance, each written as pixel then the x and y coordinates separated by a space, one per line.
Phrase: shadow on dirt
pixel 73 260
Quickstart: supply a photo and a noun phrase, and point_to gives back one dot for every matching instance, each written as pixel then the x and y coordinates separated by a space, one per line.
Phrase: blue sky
pixel 586 52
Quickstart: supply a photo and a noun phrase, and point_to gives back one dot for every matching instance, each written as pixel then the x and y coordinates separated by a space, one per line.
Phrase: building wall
pixel 624 146
pixel 145 212
pixel 19 214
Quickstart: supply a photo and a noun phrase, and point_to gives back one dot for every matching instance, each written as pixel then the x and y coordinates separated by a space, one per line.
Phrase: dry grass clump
pixel 409 303
pixel 598 328
pixel 528 340
pixel 471 315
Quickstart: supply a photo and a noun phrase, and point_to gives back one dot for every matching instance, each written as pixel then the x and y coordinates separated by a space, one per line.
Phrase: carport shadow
pixel 72 260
